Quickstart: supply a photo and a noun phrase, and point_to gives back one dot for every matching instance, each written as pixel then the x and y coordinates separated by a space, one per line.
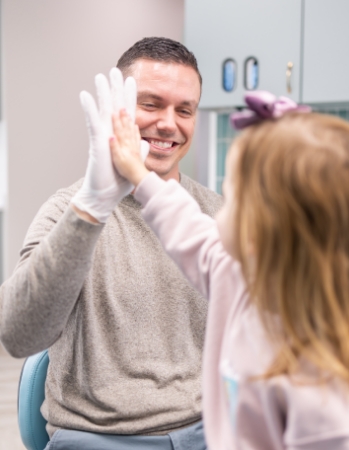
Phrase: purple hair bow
pixel 264 105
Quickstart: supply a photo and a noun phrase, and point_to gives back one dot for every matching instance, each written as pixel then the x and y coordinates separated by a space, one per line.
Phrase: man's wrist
pixel 84 215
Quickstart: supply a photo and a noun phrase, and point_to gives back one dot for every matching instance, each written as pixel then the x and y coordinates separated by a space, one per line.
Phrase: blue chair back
pixel 31 394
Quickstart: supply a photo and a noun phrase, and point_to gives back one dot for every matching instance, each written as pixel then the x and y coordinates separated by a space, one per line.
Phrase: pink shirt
pixel 277 413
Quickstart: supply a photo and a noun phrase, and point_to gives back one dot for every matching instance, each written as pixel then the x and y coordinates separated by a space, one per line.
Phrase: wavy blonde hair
pixel 291 183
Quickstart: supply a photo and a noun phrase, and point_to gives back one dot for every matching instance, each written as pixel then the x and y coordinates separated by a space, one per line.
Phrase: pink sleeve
pixel 192 240
pixel 189 236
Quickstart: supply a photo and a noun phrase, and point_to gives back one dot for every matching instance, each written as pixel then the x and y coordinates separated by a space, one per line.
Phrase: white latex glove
pixel 103 187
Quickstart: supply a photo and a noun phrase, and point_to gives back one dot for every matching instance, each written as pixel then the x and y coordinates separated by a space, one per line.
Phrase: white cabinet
pixel 326 60
pixel 269 30
pixel 312 34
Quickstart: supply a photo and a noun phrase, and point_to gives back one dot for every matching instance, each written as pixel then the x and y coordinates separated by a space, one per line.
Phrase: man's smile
pixel 161 145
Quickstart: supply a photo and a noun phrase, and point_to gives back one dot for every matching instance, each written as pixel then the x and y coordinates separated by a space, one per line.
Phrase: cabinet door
pixel 326 61
pixel 269 30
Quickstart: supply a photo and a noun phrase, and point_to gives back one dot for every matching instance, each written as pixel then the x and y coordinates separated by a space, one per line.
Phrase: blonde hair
pixel 292 191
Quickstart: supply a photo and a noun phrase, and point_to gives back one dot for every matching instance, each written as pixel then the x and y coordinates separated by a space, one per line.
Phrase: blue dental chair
pixel 31 394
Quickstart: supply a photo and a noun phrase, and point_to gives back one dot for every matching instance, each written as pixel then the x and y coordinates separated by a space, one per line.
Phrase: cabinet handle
pixel 288 76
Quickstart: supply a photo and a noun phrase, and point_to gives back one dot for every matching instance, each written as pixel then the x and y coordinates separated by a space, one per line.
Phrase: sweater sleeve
pixel 189 236
pixel 36 301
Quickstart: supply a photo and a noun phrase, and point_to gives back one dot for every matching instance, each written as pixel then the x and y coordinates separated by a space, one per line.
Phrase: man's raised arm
pixel 36 302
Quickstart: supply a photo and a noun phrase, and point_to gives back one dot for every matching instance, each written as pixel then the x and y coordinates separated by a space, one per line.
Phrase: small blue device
pixel 229 75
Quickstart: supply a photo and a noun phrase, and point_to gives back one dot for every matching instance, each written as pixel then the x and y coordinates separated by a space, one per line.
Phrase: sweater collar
pixel 131 201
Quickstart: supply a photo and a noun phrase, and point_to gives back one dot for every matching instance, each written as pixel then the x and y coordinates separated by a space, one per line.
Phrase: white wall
pixel 51 50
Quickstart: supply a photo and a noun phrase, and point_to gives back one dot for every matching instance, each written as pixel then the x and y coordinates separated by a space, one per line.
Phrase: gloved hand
pixel 103 187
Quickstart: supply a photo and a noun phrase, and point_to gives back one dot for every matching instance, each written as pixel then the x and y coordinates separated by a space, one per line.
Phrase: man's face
pixel 167 101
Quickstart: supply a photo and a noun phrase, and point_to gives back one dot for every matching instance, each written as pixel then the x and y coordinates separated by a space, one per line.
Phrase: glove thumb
pixel 144 149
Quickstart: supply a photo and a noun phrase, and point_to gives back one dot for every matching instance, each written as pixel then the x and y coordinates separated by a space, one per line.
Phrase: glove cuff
pixel 100 204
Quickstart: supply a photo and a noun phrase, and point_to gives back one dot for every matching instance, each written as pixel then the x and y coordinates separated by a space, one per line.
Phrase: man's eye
pixel 148 105
pixel 185 112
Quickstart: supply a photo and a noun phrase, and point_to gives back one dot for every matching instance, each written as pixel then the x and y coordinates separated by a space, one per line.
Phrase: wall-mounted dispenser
pixel 251 77
pixel 229 71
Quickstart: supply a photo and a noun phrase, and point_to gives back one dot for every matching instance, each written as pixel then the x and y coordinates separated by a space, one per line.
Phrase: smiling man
pixel 169 91
pixel 125 330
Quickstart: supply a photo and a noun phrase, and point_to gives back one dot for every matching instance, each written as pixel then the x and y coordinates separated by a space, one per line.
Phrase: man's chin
pixel 165 171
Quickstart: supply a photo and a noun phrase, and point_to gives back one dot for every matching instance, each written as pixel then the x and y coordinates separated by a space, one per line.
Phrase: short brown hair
pixel 158 49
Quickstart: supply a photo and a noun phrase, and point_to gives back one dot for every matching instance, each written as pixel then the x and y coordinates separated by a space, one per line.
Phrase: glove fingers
pixel 91 114
pixel 144 149
pixel 131 97
pixel 104 101
pixel 117 89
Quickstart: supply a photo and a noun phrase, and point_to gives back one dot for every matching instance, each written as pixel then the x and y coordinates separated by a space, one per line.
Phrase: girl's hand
pixel 125 148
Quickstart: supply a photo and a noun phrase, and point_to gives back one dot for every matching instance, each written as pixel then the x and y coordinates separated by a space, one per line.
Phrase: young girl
pixel 275 268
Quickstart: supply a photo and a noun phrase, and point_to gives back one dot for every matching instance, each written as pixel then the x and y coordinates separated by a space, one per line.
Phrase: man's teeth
pixel 162 144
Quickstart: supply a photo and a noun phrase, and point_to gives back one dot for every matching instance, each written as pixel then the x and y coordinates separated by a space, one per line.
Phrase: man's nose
pixel 167 121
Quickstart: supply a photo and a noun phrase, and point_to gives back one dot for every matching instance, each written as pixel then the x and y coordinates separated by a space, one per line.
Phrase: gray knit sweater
pixel 125 329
